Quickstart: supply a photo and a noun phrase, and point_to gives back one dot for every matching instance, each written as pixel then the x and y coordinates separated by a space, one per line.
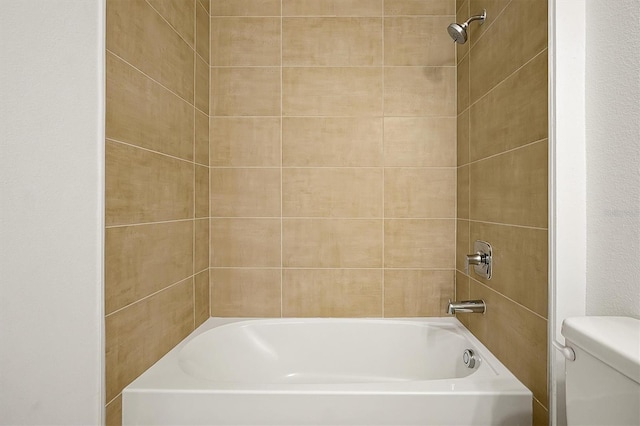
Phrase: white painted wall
pixel 613 157
pixel 51 211
pixel 568 187
pixel 595 167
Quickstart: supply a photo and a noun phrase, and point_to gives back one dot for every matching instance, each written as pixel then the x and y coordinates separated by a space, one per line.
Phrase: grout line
pixel 150 295
pixel 333 66
pixel 381 16
pixel 374 268
pixel 152 79
pixel 195 193
pixel 149 150
pixel 329 218
pixel 507 297
pixel 114 398
pixel 537 228
pixel 281 167
pixel 341 167
pixel 175 30
pixel 541 404
pixel 208 116
pixel 124 225
pixel 501 82
pixel 507 151
pixel 473 43
pixel 383 161
pixel 320 117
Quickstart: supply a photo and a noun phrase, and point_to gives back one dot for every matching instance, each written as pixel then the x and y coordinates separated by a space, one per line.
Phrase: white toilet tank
pixel 603 383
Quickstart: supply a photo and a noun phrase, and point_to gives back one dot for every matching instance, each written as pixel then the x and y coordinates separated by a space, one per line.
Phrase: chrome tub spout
pixel 466 306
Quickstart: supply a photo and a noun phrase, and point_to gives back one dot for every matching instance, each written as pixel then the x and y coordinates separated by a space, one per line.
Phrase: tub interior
pixel 325 351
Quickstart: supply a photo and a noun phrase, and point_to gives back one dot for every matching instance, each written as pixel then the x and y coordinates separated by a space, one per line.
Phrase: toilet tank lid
pixel 613 340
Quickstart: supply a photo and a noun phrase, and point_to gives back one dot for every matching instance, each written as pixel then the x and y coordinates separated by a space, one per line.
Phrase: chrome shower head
pixel 458 32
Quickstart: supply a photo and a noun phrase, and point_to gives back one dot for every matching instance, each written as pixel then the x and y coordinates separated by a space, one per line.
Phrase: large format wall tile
pixel 157 183
pixel 462 14
pixel 245 8
pixel 515 335
pixel 143 186
pixel 521 31
pixel 201 245
pixel 143 259
pixel 245 91
pixel 245 242
pixel 141 112
pixel 420 91
pixel 206 4
pixel 328 192
pixel 463 293
pixel 463 84
pixel 418 41
pixel 202 33
pixel 245 292
pixel 245 141
pixel 494 10
pixel 201 297
pixel 332 243
pixel 361 129
pixel 245 41
pixel 502 182
pixel 419 141
pixel 332 141
pixel 331 42
pixel 415 292
pixel 202 86
pixel 511 187
pixel 113 412
pixel 201 191
pixel 332 293
pixel 463 244
pixel 330 91
pixel 139 335
pixel 419 7
pixel 462 132
pixel 331 8
pixel 140 36
pixel 419 193
pixel 462 193
pixel 419 243
pixel 513 114
pixel 523 281
pixel 180 14
pixel 201 139
pixel 238 192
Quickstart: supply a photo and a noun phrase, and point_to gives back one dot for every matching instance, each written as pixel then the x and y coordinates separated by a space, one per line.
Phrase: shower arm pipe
pixel 480 17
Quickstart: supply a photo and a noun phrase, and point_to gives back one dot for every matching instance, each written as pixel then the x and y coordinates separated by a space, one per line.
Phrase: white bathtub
pixel 327 372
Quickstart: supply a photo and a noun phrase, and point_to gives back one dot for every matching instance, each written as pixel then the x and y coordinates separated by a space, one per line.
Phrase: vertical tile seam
pixel 209 114
pixel 281 163
pixel 383 313
pixel 456 230
pixel 195 194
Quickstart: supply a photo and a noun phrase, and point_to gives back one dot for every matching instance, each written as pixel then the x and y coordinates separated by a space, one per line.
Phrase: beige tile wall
pixel 333 157
pixel 157 183
pixel 502 182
